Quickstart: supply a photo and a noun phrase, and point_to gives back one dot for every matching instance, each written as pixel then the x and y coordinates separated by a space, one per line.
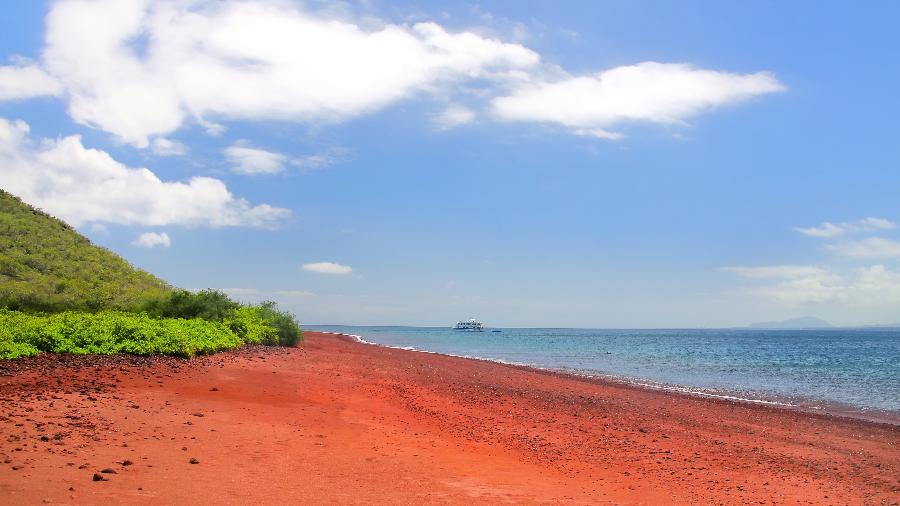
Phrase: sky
pixel 546 164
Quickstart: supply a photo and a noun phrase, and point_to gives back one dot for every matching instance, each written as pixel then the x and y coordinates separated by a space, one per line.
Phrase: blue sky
pixel 614 164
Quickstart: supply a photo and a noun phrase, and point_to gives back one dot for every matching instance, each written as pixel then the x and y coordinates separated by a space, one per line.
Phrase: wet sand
pixel 338 422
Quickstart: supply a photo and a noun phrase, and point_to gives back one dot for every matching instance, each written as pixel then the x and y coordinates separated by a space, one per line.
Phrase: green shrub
pixel 110 332
pixel 284 323
pixel 247 324
pixel 207 304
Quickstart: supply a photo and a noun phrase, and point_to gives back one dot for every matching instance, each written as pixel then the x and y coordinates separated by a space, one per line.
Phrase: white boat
pixel 471 325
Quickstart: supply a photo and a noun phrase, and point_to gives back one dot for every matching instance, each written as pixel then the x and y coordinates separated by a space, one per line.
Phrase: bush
pixel 284 323
pixel 208 304
pixel 247 324
pixel 110 332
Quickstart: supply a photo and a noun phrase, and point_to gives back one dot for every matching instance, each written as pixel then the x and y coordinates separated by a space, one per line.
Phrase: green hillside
pixel 45 265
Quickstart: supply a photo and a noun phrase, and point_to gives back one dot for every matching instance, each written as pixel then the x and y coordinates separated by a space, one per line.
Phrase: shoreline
pixel 336 421
pixel 824 409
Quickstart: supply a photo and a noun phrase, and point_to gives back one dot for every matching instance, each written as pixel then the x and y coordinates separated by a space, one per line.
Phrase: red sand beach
pixel 338 422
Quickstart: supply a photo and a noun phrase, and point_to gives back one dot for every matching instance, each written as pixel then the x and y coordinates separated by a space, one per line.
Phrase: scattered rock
pixel 109 470
pixel 199 415
pixel 214 389
pixel 100 477
pixel 17 467
pixel 127 462
pixel 194 461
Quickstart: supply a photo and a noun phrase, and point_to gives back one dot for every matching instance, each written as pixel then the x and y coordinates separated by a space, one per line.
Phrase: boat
pixel 496 330
pixel 471 325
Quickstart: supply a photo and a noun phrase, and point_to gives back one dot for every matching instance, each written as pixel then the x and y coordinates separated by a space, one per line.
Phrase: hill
pixel 806 322
pixel 45 265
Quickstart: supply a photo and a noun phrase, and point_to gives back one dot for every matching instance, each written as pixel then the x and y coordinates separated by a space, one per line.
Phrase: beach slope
pixel 338 422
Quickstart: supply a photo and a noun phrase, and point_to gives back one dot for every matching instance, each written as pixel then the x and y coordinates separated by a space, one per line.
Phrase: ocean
pixel 855 370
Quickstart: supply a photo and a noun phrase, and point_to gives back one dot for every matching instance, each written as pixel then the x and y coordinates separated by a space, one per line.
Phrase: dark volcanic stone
pixel 194 461
pixel 109 470
pixel 100 477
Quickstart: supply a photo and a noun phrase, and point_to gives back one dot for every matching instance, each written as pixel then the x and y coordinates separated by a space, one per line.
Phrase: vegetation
pixel 46 266
pixel 61 294
pixel 106 332
pixel 260 324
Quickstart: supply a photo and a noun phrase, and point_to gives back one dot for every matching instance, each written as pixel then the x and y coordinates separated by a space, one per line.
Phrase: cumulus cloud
pixel 82 185
pixel 452 117
pixel 167 147
pixel 140 69
pixel 873 285
pixel 26 80
pixel 649 91
pixel 830 230
pixel 873 247
pixel 327 268
pixel 248 160
pixel 152 240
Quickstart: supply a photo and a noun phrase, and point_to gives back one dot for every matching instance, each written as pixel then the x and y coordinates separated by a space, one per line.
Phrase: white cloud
pixel 26 80
pixel 140 69
pixel 327 268
pixel 167 147
pixel 452 117
pixel 247 160
pixel 327 158
pixel 830 230
pixel 152 240
pixel 873 247
pixel 294 293
pixel 649 91
pixel 797 285
pixel 776 271
pixel 82 185
pixel 240 292
pixel 254 293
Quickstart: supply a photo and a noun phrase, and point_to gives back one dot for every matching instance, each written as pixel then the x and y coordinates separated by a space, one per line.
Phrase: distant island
pixel 805 322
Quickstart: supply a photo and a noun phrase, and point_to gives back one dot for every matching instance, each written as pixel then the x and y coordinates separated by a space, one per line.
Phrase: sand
pixel 338 422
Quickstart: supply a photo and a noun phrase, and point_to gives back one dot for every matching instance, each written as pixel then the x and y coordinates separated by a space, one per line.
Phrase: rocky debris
pixel 108 470
pixel 194 461
pixel 99 477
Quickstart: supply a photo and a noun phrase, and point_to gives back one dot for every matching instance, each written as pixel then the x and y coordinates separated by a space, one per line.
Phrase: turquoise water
pixel 851 368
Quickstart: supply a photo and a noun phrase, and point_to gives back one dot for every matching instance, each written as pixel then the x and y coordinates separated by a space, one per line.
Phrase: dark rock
pixel 194 461
pixel 127 462
pixel 199 415
pixel 100 477
pixel 109 470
